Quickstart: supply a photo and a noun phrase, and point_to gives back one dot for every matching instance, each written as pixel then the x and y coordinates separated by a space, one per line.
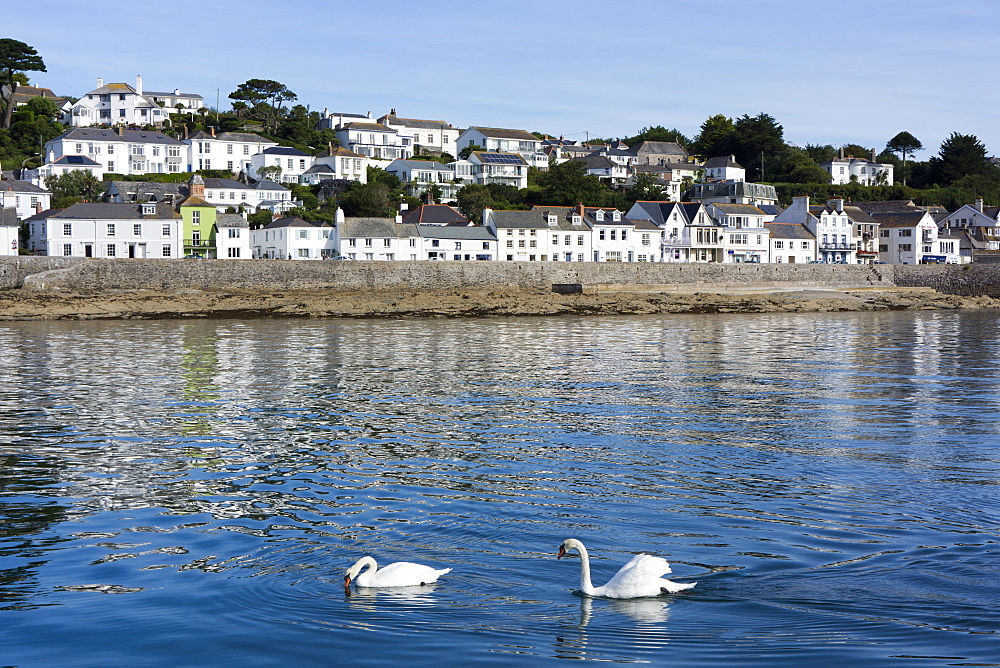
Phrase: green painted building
pixel 198 220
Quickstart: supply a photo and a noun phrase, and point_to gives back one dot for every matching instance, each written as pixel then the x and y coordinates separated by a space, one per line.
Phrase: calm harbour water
pixel 191 492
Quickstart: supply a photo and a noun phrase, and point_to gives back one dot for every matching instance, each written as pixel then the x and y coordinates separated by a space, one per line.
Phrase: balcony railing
pixel 198 243
pixel 824 245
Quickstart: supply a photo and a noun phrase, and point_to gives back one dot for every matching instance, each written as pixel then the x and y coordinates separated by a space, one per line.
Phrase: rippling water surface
pixel 191 492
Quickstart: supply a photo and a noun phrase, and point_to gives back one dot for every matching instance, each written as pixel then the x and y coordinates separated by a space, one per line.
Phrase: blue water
pixel 191 492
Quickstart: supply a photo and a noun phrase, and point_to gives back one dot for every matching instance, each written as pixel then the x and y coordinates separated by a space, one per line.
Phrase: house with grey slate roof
pixel 292 238
pixel 426 137
pixel 435 214
pixel 378 239
pixel 687 233
pixel 418 176
pixel 231 151
pixel 115 104
pixel 291 163
pixel 25 198
pixel 222 193
pixel 528 236
pixel 375 141
pixel 117 151
pixel 9 232
pixel 744 235
pixel 101 229
pixel 790 243
pixel 504 140
pixel 439 242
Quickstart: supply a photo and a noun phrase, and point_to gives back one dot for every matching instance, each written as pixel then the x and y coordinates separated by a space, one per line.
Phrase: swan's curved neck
pixel 370 563
pixel 586 586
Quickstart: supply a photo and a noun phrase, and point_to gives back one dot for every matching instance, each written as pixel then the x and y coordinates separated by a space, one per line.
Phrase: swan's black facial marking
pixel 562 552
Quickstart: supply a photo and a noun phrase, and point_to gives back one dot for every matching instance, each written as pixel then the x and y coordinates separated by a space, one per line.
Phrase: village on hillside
pixel 139 173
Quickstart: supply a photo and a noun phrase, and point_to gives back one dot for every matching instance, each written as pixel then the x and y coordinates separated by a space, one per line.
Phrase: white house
pixel 426 137
pixel 291 164
pixel 100 229
pixel 374 140
pixel 745 238
pixel 687 233
pixel 67 163
pixel 912 237
pixel 25 198
pixel 294 239
pixel 724 168
pixel 976 225
pixel 337 163
pixel 540 235
pixel 845 169
pixel 378 239
pixel 507 168
pixel 231 151
pixel 120 104
pixel 503 140
pixel 117 151
pixel 9 232
pixel 790 243
pixel 605 169
pixel 419 175
pixel 221 193
pixel 829 224
pixel 232 237
pixel 440 242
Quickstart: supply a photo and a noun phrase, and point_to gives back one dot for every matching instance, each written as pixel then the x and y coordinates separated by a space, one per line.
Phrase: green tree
pixel 659 133
pixel 568 183
pixel 469 150
pixel 389 180
pixel 960 155
pixel 757 139
pixel 369 200
pixel 716 136
pixel 71 187
pixel 820 153
pixel 15 57
pixel 904 144
pixel 472 199
pixel 264 100
pixel 646 188
pixel 272 172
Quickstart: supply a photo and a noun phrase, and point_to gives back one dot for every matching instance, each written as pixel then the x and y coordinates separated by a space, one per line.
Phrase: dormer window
pixel 616 215
pixel 148 209
pixel 576 219
pixel 551 219
pixel 599 215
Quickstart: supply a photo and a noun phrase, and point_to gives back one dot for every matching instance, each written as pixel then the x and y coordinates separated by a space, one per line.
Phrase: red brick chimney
pixel 580 209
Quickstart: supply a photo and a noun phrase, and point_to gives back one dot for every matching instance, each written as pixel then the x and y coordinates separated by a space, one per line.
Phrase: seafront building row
pixel 835 232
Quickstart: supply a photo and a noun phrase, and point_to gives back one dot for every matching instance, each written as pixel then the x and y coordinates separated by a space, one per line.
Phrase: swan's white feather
pixel 638 578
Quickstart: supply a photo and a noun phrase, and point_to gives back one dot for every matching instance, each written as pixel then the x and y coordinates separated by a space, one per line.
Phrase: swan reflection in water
pixel 369 598
pixel 645 611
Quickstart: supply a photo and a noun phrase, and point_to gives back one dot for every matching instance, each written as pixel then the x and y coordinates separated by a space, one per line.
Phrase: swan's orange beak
pixel 347 582
pixel 562 552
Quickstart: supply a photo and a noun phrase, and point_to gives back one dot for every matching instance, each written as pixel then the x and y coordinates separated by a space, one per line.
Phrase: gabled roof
pixel 160 93
pixel 596 162
pixel 858 215
pixel 320 168
pixel 284 150
pixel 245 137
pixel 21 187
pixel 338 152
pixel 473 233
pixel 77 161
pixel 660 212
pixel 660 148
pixel 265 184
pixel 425 164
pixel 368 127
pixel 505 133
pixel 789 231
pixel 536 219
pixel 292 221
pixel 128 136
pixel 231 220
pixel 490 158
pixel 899 218
pixel 737 209
pixel 434 214
pixel 383 228
pixel 415 123
pixel 108 211
pixel 195 201
pixel 722 161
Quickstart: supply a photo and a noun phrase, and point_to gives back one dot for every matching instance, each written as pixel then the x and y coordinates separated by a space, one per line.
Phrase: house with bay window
pixel 544 234
pixel 976 226
pixel 506 168
pixel 117 104
pixel 283 164
pixel 115 151
pixel 231 151
pixel 745 237
pixel 912 237
pixel 440 242
pixel 338 164
pixel 426 137
pixel 419 176
pixel 292 238
pixel 790 243
pixel 375 141
pixel 688 234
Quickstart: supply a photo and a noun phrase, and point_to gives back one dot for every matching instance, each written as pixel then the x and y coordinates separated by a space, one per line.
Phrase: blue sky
pixel 829 72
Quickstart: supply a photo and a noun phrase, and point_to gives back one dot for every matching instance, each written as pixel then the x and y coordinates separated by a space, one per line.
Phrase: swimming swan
pixel 638 578
pixel 399 574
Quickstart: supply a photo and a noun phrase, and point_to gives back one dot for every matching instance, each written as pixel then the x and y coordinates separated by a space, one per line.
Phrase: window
pixel 368 243
pixel 906 233
pixel 229 166
pixel 234 251
pixel 303 234
pixel 234 233
pixel 352 242
pixel 779 244
pixel 290 163
pixel 458 245
pixel 166 229
pixel 173 152
pixel 645 240
pixel 533 244
pixel 166 251
pixel 579 242
pixel 111 165
pixel 111 250
pixel 520 243
pixel 905 248
pixel 111 229
pixel 67 229
pixel 302 164
pixel 435 243
pixel 229 149
pixel 883 233
pixel 303 252
pixel 137 230
pixel 555 239
pixel 413 243
pixel 510 243
pixel 601 235
pixel 624 235
pixel 486 245
pixel 67 249
pixel 196 217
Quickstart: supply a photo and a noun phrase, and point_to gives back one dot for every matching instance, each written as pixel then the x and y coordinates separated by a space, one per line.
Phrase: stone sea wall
pixel 79 275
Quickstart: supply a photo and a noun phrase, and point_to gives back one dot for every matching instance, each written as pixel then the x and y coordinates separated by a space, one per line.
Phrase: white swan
pixel 638 578
pixel 399 574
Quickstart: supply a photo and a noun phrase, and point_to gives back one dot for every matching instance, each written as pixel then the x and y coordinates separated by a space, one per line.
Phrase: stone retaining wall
pixel 96 275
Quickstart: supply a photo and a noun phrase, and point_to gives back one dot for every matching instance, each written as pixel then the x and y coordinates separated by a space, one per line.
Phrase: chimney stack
pixel 185 131
pixel 979 204
pixel 873 155
pixel 100 82
pixel 841 152
pixel 138 84
pixel 579 209
pixel 211 128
